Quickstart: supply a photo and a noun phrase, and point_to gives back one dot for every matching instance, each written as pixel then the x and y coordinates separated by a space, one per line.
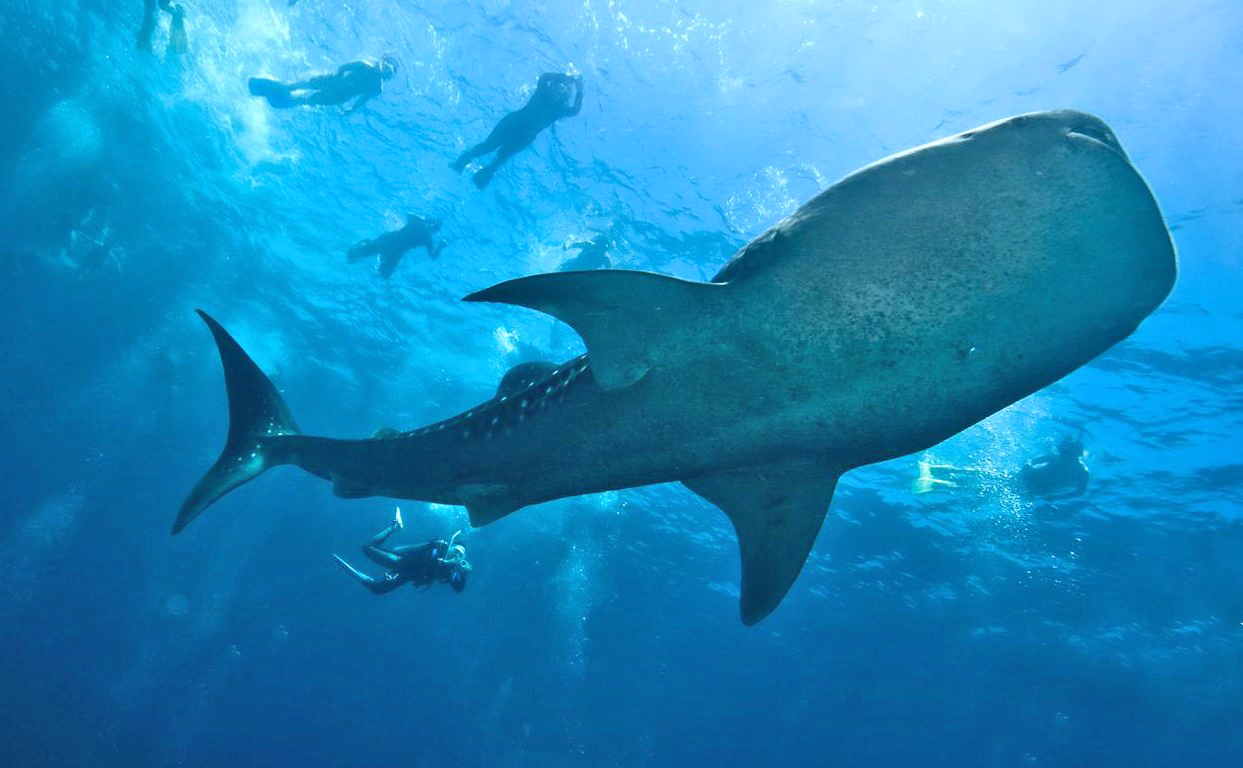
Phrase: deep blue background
pixel 980 629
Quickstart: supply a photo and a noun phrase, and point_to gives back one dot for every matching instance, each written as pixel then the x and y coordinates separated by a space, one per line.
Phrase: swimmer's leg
pixel 148 26
pixel 494 141
pixel 377 586
pixel 388 262
pixel 326 97
pixel 928 481
pixel 484 176
pixel 361 250
pixel 278 94
pixel 470 154
pixel 373 551
pixel 319 82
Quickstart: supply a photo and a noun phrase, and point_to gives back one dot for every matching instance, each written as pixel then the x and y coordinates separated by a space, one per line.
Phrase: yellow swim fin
pixel 178 41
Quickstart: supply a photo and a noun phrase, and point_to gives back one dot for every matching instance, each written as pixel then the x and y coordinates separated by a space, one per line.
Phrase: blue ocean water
pixel 976 628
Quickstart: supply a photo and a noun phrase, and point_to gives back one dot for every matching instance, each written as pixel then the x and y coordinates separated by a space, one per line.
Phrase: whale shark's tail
pixel 257 414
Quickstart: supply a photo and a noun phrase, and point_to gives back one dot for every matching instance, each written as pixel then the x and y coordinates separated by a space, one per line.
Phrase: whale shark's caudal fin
pixel 777 510
pixel 622 316
pixel 257 413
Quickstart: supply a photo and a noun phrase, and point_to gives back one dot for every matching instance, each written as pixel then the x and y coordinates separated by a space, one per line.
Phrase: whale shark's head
pixel 1056 127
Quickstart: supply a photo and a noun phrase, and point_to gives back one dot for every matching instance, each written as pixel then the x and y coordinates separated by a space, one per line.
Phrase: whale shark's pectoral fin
pixel 777 510
pixel 621 315
pixel 346 489
pixel 488 510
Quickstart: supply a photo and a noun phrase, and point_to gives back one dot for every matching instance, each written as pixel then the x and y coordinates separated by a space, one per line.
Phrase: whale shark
pixel 901 305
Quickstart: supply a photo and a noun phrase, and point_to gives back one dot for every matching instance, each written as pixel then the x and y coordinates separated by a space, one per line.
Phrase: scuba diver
pixel 391 246
pixel 360 80
pixel 516 131
pixel 1058 475
pixel 592 254
pixel 415 564
pixel 177 40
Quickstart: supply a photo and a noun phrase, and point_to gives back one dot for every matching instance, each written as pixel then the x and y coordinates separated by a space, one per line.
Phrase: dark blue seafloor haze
pixel 971 629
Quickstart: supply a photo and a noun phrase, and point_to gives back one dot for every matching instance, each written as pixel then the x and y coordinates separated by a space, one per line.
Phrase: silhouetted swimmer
pixel 176 29
pixel 360 80
pixel 391 246
pixel 516 131
pixel 1058 475
pixel 417 564
pixel 592 254
pixel 1050 476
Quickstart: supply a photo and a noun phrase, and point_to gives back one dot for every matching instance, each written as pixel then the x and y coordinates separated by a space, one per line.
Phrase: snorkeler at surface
pixel 391 246
pixel 592 254
pixel 1050 476
pixel 360 80
pixel 415 564
pixel 516 131
pixel 1058 475
pixel 177 41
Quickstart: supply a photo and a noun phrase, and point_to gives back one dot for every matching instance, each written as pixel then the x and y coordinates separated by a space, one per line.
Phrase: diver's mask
pixel 456 555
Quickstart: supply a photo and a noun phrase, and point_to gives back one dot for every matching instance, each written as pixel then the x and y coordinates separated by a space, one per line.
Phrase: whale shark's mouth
pixel 1095 134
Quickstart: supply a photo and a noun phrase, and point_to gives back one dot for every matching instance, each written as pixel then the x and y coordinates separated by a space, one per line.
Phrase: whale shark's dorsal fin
pixel 621 315
pixel 777 510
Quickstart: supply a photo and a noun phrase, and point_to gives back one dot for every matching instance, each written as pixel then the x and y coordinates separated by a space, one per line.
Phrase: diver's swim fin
pixel 483 176
pixel 354 571
pixel 258 417
pixel 178 41
pixel 263 86
pixel 276 92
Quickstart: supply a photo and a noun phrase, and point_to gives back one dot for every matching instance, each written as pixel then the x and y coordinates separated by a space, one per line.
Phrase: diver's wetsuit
pixel 1060 475
pixel 361 80
pixel 416 564
pixel 517 130
pixel 391 246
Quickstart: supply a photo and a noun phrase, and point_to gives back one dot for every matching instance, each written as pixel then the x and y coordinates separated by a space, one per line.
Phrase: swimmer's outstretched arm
pixel 578 97
pixel 359 103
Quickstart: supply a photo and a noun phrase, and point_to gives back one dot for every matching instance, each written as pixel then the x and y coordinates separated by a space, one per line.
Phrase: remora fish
pixel 898 307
